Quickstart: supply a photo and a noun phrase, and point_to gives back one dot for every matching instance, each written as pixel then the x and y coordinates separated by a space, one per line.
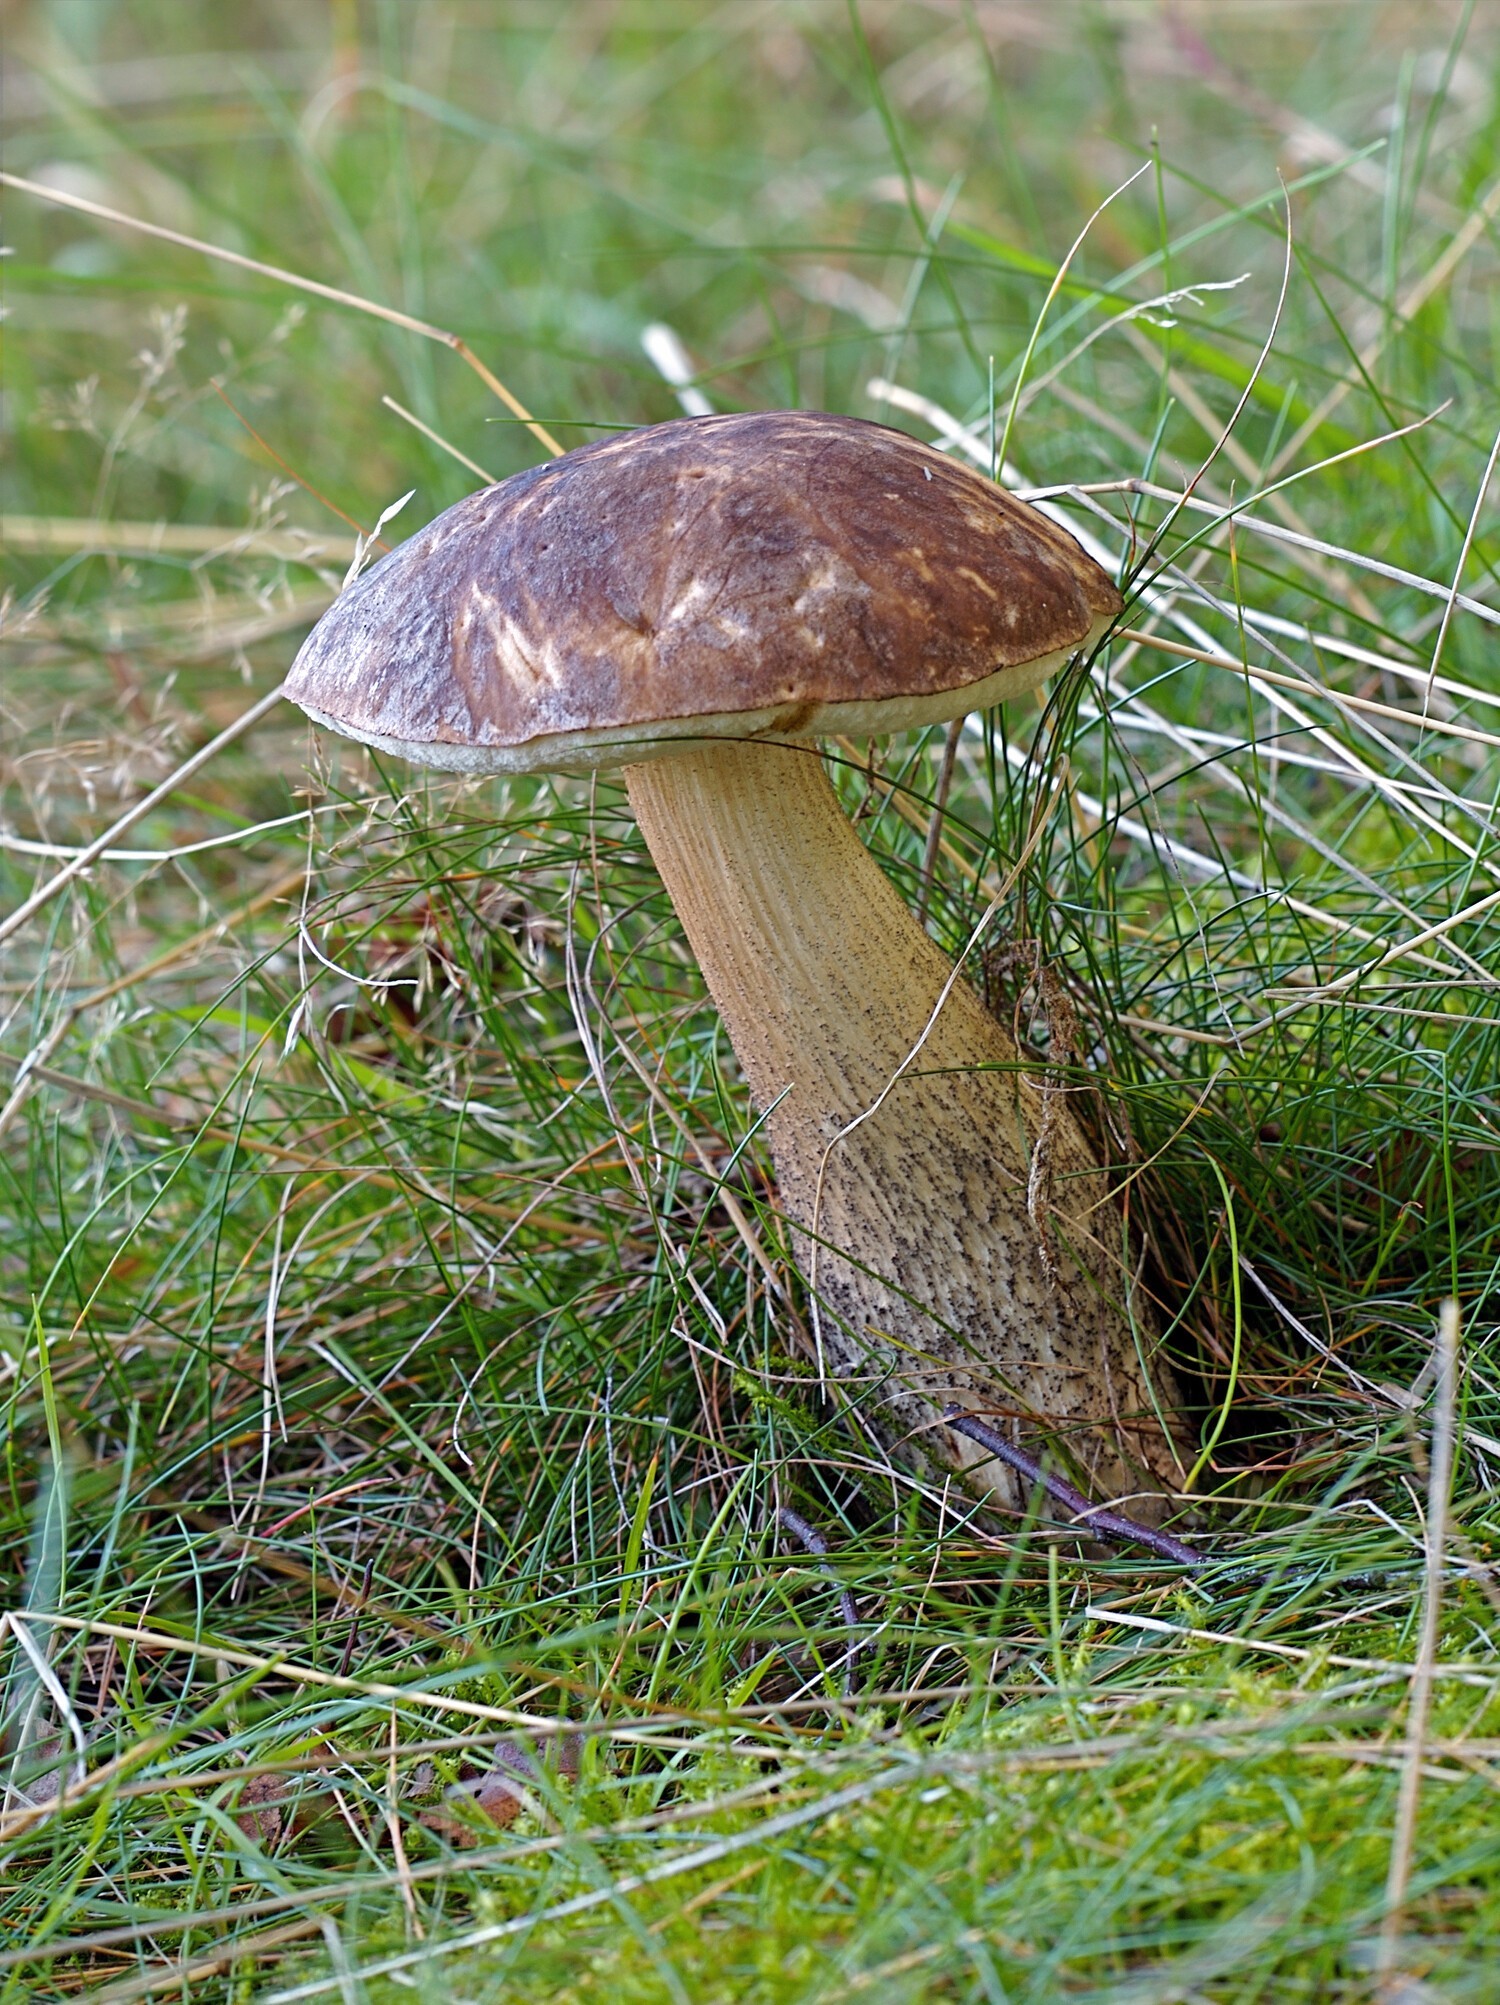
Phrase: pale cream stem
pixel 938 1285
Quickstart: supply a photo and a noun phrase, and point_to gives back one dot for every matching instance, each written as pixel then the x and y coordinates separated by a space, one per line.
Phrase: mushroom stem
pixel 938 1273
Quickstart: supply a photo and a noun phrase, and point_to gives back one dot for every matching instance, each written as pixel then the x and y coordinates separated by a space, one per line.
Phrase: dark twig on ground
pixel 815 1543
pixel 1096 1518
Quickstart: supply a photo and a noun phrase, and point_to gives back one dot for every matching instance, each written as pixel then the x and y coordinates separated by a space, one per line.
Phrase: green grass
pixel 394 1310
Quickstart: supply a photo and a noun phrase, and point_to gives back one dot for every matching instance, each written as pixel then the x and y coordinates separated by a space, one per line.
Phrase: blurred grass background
pixel 390 1293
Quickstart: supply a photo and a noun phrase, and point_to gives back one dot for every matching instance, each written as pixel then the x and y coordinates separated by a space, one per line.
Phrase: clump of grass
pixel 399 1336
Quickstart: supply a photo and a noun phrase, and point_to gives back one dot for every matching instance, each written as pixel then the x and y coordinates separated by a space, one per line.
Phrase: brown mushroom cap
pixel 783 573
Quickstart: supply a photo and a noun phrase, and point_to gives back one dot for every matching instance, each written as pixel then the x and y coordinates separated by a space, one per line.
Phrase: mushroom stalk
pixel 949 1262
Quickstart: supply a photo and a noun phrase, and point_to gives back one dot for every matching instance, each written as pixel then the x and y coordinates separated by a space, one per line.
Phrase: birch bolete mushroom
pixel 697 603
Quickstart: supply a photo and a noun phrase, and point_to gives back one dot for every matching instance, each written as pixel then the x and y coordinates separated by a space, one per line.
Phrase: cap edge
pixel 589 751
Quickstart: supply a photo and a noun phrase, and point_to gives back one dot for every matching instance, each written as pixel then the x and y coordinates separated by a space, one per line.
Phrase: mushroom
pixel 698 602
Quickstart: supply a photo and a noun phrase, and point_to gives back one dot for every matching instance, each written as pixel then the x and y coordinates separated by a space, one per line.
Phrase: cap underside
pixel 589 751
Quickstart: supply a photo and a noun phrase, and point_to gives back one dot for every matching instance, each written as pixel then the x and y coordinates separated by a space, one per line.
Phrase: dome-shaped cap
pixel 781 573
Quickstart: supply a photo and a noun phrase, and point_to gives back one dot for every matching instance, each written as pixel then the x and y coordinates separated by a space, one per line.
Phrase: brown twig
pixel 1097 1518
pixel 361 1602
pixel 814 1542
